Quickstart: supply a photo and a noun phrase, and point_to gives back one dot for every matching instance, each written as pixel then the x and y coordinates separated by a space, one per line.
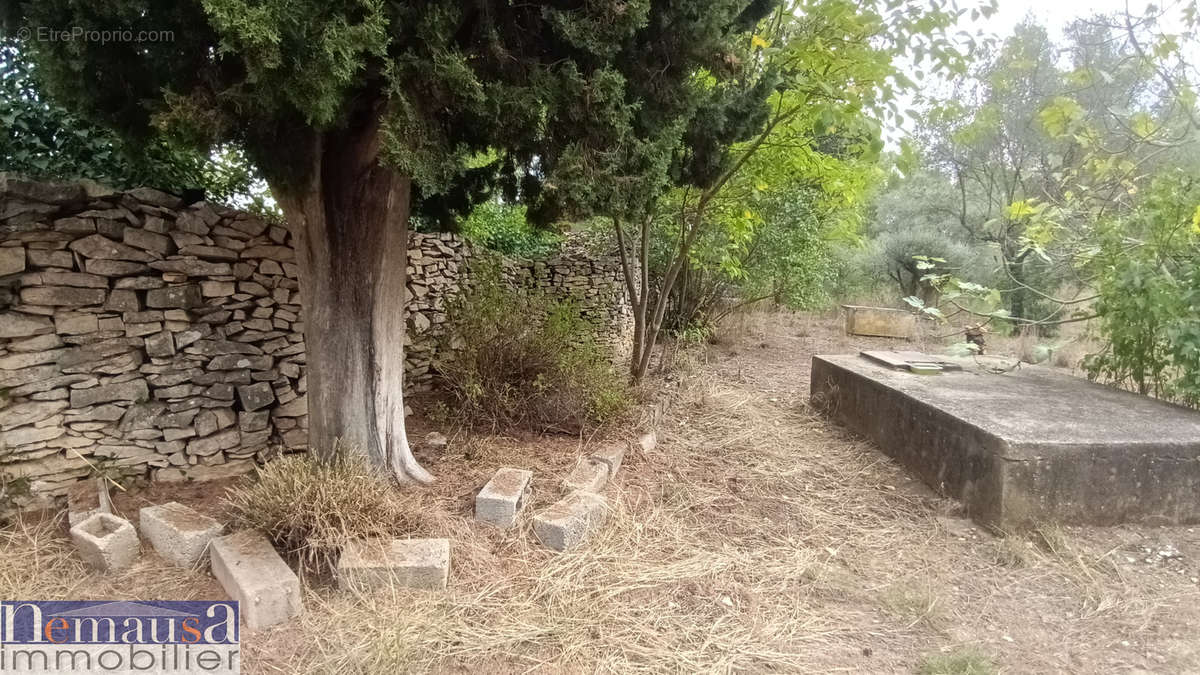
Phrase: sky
pixel 1055 15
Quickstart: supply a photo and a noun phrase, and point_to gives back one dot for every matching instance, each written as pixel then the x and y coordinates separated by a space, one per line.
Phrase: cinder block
pixel 570 520
pixel 252 573
pixel 178 533
pixel 499 502
pixel 589 475
pixel 368 564
pixel 611 454
pixel 106 542
pixel 87 497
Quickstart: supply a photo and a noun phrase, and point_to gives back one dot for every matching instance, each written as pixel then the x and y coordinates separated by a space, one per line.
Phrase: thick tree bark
pixel 349 215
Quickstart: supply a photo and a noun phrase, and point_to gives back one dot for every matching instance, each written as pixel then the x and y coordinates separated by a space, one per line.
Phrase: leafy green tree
pixel 350 107
pixel 987 140
pixel 824 65
pixel 1047 146
pixel 43 140
pixel 505 229
pixel 786 259
pixel 1149 293
pixel 772 233
pixel 913 231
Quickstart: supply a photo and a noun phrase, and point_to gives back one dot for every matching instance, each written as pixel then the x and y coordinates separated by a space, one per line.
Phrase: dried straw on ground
pixel 755 538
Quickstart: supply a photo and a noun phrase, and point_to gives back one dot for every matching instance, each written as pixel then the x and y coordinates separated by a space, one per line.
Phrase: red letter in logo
pixel 57 623
pixel 193 628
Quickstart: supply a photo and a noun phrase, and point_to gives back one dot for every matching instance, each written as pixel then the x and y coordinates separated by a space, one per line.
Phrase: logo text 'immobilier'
pixel 159 636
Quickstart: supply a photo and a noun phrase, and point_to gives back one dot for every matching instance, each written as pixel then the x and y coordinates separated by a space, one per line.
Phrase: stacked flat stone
pixel 143 336
pixel 600 285
pixel 595 283
pixel 163 339
pixel 440 266
pixel 437 265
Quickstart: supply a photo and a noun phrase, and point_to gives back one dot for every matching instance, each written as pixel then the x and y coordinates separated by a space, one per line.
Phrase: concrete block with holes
pixel 179 534
pixel 590 475
pixel 106 542
pixel 499 502
pixel 611 455
pixel 571 520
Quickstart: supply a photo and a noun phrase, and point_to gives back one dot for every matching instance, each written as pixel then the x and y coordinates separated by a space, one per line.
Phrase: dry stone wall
pixel 597 285
pixel 441 264
pixel 143 337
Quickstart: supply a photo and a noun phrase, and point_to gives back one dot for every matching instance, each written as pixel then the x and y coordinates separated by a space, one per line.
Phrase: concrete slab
pixel 589 474
pixel 85 498
pixel 571 520
pixel 879 321
pixel 252 573
pixel 178 533
pixel 499 502
pixel 106 542
pixel 1026 447
pixel 369 564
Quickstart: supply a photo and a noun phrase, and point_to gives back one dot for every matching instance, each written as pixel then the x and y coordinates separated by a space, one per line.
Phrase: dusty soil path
pixel 905 576
pixel 756 537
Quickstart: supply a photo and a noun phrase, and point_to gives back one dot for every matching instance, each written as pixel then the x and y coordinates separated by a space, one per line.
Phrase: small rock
pixel 255 396
pixel 436 441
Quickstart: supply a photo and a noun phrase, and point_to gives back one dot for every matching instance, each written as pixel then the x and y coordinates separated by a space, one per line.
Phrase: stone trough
pixel 1026 447
pixel 179 534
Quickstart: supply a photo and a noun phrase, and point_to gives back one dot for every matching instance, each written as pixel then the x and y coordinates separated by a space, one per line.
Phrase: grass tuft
pixel 309 508
pixel 966 661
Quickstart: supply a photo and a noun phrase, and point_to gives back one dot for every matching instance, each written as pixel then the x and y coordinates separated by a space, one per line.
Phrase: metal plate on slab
pixel 913 362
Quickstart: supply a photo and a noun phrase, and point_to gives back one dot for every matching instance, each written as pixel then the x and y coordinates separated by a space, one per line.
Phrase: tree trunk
pixel 1016 305
pixel 349 215
pixel 637 285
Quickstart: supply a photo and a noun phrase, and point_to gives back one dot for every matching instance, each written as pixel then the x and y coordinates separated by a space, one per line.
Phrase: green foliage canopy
pixel 576 100
pixel 45 141
pixel 1042 147
pixel 504 228
pixel 1150 293
pixel 764 224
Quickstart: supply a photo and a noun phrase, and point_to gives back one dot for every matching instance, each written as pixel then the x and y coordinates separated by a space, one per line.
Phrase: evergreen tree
pixel 350 107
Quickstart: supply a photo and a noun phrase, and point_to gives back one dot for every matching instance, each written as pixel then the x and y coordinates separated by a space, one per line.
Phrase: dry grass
pixel 310 509
pixel 755 538
pixel 38 562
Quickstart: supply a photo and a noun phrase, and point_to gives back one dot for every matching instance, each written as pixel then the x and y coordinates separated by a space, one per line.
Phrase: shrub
pixel 514 357
pixel 1149 294
pixel 504 228
pixel 310 508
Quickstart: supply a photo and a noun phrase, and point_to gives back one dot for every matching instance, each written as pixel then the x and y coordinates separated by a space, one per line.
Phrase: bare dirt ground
pixel 756 537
